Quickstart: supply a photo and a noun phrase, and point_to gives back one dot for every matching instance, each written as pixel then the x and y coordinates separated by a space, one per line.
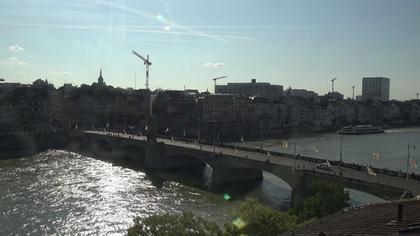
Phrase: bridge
pixel 232 165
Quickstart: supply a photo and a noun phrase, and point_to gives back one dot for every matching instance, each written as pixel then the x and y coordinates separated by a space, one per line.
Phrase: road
pixel 393 181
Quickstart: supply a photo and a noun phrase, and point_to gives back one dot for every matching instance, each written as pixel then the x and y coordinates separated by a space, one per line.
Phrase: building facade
pixel 254 88
pixel 375 88
pixel 233 116
pixel 303 93
pixel 99 106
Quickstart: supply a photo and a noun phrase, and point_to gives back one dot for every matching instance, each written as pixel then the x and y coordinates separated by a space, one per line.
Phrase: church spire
pixel 100 79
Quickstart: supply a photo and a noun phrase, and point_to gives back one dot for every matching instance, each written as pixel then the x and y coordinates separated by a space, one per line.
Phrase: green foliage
pixel 257 219
pixel 323 199
pixel 185 224
pixel 253 218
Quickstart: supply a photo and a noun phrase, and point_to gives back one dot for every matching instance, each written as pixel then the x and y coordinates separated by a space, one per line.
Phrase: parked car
pixel 324 166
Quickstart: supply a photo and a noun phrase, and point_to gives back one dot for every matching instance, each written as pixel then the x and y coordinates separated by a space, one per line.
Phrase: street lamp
pixel 199 129
pixel 409 146
pixel 214 138
pixel 294 158
pixel 341 154
pixel 261 133
pixel 197 112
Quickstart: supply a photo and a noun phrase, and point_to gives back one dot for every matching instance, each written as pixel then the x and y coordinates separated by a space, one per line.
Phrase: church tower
pixel 100 79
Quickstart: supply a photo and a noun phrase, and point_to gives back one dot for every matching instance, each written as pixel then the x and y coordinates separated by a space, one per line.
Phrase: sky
pixel 294 43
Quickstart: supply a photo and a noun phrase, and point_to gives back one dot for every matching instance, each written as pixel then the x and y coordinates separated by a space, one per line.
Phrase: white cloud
pixel 16 48
pixel 53 73
pixel 214 64
pixel 12 61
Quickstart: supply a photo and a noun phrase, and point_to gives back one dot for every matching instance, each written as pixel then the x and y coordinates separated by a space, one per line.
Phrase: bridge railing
pixel 354 166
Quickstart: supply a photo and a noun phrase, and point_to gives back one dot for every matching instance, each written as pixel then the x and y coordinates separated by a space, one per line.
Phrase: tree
pixel 324 198
pixel 257 219
pixel 253 218
pixel 185 224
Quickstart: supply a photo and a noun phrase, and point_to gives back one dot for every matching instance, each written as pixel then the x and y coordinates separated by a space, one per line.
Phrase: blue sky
pixel 295 43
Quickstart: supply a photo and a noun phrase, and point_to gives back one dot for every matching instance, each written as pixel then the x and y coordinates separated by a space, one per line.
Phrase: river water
pixel 64 193
pixel 392 147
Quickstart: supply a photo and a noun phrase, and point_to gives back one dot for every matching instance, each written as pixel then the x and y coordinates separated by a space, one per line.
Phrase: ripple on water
pixel 67 194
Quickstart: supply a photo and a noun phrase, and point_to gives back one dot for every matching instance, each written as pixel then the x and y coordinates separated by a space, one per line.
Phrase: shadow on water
pixel 271 189
pixel 197 177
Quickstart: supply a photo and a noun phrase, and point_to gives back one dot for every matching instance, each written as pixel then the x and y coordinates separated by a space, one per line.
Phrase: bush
pixel 253 218
pixel 257 219
pixel 185 224
pixel 324 198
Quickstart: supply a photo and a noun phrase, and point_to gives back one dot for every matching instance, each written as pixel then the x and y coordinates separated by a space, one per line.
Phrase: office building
pixel 251 89
pixel 375 88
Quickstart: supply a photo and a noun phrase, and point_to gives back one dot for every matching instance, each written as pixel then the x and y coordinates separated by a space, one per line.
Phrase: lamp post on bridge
pixel 409 146
pixel 341 155
pixel 197 114
pixel 199 129
pixel 294 158
pixel 214 138
pixel 261 134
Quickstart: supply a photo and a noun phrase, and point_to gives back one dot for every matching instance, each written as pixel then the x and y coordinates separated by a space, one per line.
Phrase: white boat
pixel 360 129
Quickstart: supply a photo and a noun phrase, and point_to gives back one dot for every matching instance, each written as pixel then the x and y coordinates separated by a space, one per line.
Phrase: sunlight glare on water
pixel 71 194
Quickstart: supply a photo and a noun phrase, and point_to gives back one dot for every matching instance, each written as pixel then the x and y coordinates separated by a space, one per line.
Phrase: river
pixel 64 193
pixel 392 147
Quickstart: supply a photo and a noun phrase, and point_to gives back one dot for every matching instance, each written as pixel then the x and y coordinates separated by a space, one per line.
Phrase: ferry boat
pixel 360 129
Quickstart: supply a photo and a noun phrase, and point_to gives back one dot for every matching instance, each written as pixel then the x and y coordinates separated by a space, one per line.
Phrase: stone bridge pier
pixel 225 170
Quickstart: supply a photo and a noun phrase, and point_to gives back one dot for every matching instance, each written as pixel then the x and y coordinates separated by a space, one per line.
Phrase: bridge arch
pixel 184 160
pixel 130 152
pixel 75 143
pixel 233 175
pixel 101 145
pixel 376 189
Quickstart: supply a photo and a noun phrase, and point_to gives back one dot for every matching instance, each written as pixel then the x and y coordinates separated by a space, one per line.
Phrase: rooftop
pixel 377 219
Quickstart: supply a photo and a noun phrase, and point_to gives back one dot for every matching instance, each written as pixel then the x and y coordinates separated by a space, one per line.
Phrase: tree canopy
pixel 252 218
pixel 185 224
pixel 256 219
pixel 324 198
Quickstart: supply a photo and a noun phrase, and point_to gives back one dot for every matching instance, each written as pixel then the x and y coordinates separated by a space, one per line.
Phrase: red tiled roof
pixel 377 219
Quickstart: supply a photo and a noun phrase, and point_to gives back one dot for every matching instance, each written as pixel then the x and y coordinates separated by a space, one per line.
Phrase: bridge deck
pixel 393 181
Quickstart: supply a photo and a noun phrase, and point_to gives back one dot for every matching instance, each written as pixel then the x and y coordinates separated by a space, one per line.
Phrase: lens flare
pixel 239 223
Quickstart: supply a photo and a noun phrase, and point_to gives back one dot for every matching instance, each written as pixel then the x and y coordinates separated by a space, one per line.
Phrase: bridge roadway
pixel 301 165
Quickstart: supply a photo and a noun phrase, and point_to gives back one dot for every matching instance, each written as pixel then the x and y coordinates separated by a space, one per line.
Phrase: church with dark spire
pixel 101 79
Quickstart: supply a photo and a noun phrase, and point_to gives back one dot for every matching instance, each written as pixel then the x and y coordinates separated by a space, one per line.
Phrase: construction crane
pixel 353 90
pixel 147 63
pixel 417 94
pixel 217 78
pixel 332 81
